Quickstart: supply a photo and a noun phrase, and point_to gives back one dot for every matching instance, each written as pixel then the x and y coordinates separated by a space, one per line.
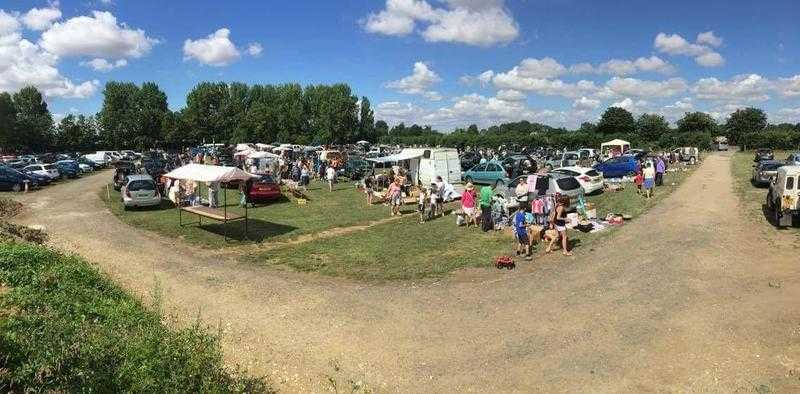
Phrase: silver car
pixel 139 191
pixel 764 171
pixel 546 184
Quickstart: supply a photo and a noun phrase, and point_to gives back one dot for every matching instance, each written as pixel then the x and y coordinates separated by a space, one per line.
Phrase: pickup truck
pixel 783 198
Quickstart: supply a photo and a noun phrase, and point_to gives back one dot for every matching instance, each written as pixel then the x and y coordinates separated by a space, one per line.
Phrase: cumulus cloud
pixel 215 50
pixel 98 36
pixel 632 87
pixel 546 68
pixel 8 22
pixel 41 18
pixel 622 67
pixel 701 51
pixel 418 83
pixel 254 49
pixel 510 95
pixel 103 65
pixel 24 63
pixel 636 107
pixel 483 78
pixel 547 87
pixel 676 110
pixel 395 112
pixel 585 104
pixel 472 22
pixel 787 115
pixel 741 88
pixel 789 87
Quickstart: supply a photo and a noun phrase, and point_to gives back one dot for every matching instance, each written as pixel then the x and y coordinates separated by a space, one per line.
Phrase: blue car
pixel 617 167
pixel 11 179
pixel 68 168
pixel 491 173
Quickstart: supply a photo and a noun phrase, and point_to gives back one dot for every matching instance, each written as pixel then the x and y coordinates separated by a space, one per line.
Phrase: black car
pixel 469 159
pixel 764 154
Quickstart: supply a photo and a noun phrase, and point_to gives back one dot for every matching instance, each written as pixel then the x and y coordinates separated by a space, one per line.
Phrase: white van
pixel 425 164
pixel 98 158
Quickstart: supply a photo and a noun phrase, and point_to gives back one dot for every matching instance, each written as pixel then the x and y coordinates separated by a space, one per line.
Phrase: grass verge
pixel 65 328
pixel 751 197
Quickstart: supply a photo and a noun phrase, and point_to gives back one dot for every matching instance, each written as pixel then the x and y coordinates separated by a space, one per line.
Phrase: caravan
pixel 424 165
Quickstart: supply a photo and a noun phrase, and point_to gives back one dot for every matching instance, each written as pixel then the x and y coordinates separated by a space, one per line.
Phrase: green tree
pixel 651 127
pixel 744 121
pixel 118 118
pixel 151 108
pixel 381 129
pixel 206 112
pixel 366 122
pixel 34 126
pixel 616 121
pixel 8 122
pixel 698 122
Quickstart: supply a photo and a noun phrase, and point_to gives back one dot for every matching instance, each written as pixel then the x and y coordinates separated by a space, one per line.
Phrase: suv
pixel 764 154
pixel 617 167
pixel 783 198
pixel 13 180
pixel 687 154
pixel 567 159
pixel 793 159
pixel 765 171
pixel 139 191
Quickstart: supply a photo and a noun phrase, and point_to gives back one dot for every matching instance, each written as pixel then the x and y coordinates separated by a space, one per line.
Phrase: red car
pixel 264 189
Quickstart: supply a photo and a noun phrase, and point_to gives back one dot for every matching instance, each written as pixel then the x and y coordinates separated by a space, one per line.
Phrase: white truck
pixel 783 198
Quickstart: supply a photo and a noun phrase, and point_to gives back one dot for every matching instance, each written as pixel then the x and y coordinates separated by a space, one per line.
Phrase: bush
pixel 65 327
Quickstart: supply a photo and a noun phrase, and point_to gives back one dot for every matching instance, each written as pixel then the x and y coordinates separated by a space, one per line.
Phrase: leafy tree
pixel 615 121
pixel 381 129
pixel 744 121
pixel 33 132
pixel 205 112
pixel 118 118
pixel 588 127
pixel 700 122
pixel 651 126
pixel 473 129
pixel 151 108
pixel 8 121
pixel 366 121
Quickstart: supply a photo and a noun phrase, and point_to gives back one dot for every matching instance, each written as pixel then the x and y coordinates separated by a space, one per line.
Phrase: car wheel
pixel 63 177
pixel 692 161
pixel 776 214
pixel 16 188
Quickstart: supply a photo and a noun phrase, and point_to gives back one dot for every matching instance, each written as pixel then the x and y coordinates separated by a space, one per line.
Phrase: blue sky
pixel 559 62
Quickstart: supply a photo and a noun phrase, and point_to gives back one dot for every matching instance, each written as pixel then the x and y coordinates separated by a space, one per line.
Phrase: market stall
pixel 210 174
pixel 614 148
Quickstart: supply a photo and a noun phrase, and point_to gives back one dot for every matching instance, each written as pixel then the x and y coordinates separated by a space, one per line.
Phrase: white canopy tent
pixel 618 145
pixel 406 154
pixel 205 173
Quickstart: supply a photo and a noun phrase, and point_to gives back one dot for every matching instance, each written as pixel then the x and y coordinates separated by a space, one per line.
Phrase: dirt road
pixel 691 297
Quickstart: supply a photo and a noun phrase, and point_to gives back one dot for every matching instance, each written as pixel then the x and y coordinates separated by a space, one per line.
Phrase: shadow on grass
pixel 257 230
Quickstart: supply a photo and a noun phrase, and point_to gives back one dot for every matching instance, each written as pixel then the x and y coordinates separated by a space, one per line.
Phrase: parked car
pixel 491 173
pixel 84 162
pixel 17 164
pixel 590 179
pixel 783 198
pixel 764 154
pixel 68 168
pixel 793 159
pixel 48 170
pixel 41 180
pixel 687 154
pixel 517 164
pixel 469 159
pixel 355 168
pixel 566 159
pixel 547 185
pixel 764 171
pixel 588 153
pixel 13 180
pixel 617 167
pixel 264 189
pixel 139 191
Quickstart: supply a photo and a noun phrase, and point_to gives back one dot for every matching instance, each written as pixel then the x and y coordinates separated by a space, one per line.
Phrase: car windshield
pixel 141 185
pixel 566 172
pixel 49 167
pixel 770 166
pixel 266 179
pixel 592 173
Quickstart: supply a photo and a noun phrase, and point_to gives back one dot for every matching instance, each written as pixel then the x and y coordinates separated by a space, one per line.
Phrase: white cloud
pixel 41 18
pixel 510 95
pixel 632 87
pixel 548 87
pixel 254 49
pixel 395 112
pixel 673 112
pixel 483 78
pixel 741 88
pixel 472 22
pixel 585 103
pixel 545 68
pixel 97 36
pixel 789 87
pixel 702 52
pixel 621 67
pixel 708 38
pixel 24 63
pixel 103 65
pixel 419 82
pixel 8 23
pixel 215 50
pixel 786 115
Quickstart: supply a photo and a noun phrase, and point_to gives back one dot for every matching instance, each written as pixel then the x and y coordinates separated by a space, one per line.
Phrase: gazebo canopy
pixel 616 142
pixel 206 173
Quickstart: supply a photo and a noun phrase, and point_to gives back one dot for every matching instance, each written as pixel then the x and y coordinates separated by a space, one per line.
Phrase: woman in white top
pixel 649 174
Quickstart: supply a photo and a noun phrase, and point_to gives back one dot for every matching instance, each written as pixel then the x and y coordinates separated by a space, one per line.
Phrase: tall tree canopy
pixel 651 127
pixel 8 121
pixel 616 121
pixel 34 126
pixel 743 121
pixel 699 122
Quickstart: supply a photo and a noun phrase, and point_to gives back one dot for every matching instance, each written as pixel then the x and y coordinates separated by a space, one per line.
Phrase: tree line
pixel 746 127
pixel 138 117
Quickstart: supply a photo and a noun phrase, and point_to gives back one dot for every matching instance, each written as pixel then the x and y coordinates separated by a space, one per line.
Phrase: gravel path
pixel 690 297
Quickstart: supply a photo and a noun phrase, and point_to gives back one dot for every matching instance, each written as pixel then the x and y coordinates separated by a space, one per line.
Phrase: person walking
pixel 395 197
pixel 559 223
pixel 661 168
pixel 521 232
pixel 368 188
pixel 330 175
pixel 305 176
pixel 468 204
pixel 649 174
pixel 486 208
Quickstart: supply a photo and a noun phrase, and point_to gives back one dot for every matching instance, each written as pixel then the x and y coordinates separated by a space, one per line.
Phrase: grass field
pixel 64 327
pixel 752 197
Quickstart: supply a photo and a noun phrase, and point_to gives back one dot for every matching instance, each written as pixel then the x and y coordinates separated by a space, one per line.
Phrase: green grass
pixel 405 249
pixel 752 198
pixel 270 222
pixel 64 327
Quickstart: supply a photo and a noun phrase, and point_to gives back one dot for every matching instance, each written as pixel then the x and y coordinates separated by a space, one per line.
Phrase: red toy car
pixel 264 189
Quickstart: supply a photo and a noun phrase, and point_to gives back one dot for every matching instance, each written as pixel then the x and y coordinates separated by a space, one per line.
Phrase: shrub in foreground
pixel 65 327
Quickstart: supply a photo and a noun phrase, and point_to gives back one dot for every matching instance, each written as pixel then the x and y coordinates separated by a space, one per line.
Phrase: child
pixel 521 232
pixel 433 197
pixel 421 205
pixel 638 180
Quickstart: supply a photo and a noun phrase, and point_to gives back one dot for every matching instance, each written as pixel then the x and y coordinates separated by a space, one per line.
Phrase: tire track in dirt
pixel 678 300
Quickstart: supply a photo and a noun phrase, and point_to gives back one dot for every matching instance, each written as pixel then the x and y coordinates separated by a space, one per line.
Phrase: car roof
pixel 770 162
pixel 140 177
pixel 789 170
